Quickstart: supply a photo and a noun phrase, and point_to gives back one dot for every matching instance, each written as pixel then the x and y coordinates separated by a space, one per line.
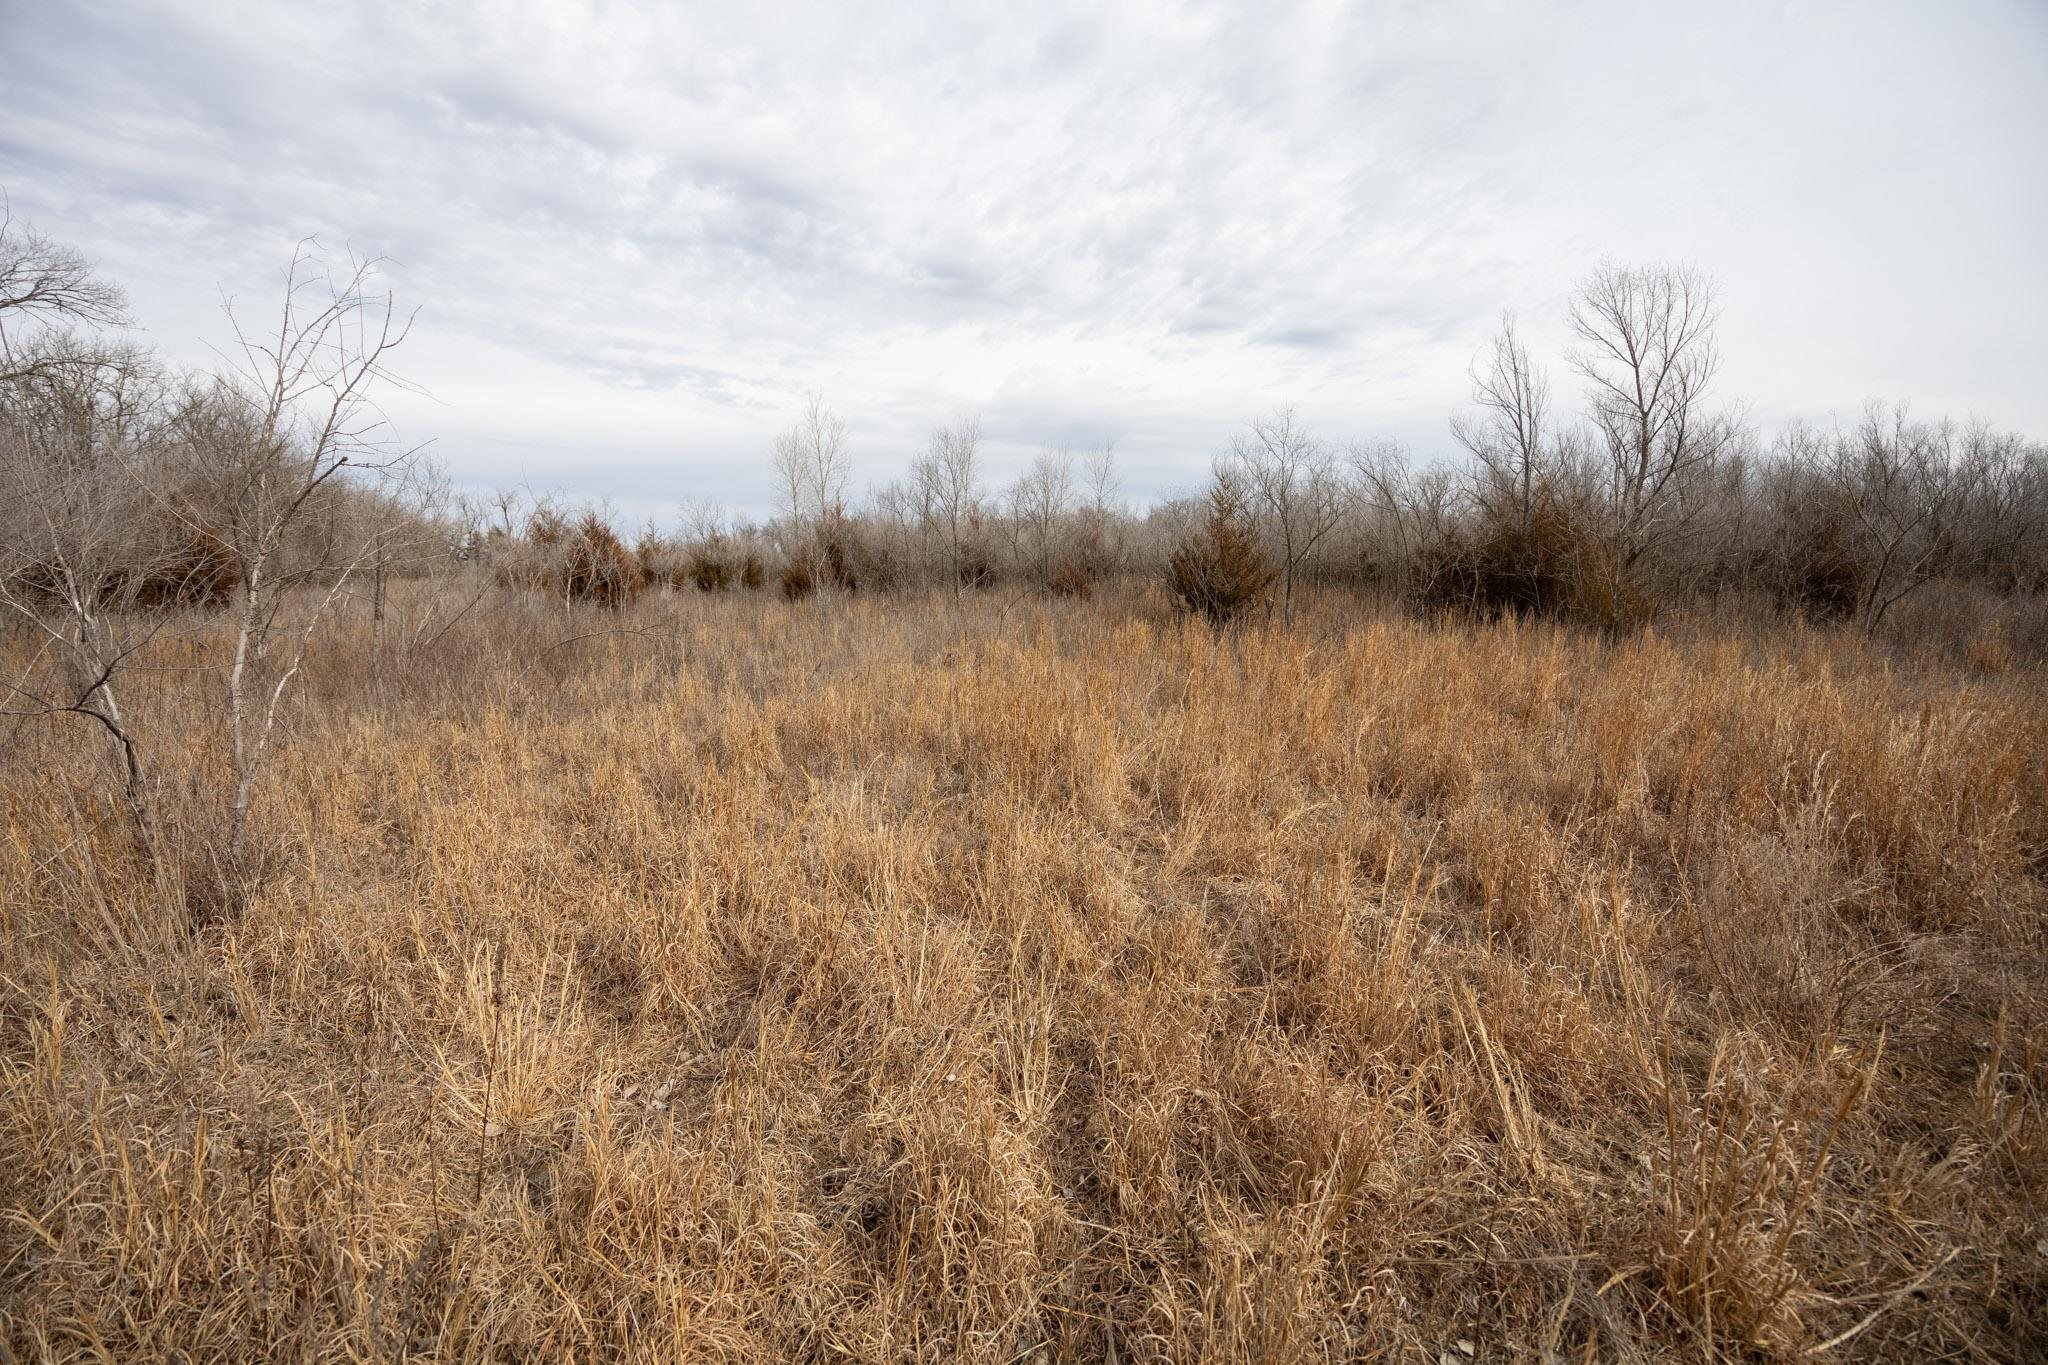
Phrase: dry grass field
pixel 890 981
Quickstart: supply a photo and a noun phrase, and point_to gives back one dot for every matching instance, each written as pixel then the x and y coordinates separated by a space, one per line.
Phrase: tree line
pixel 127 487
pixel 1646 493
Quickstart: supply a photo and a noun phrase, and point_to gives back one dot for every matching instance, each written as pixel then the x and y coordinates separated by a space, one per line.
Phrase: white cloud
pixel 639 233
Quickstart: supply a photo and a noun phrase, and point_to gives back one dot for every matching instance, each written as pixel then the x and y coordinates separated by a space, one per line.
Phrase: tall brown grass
pixel 865 979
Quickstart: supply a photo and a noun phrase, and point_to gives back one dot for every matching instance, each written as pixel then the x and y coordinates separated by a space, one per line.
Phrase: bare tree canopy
pixel 1039 503
pixel 947 480
pixel 1293 482
pixel 44 284
pixel 1647 352
pixel 1507 434
pixel 812 466
pixel 297 409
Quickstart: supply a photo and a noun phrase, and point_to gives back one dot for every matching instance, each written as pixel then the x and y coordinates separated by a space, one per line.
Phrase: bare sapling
pixel 295 413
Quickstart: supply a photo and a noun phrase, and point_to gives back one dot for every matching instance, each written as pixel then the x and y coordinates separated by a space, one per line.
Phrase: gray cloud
pixel 638 233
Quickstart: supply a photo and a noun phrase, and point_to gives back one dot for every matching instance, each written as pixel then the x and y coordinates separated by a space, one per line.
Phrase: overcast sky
pixel 637 234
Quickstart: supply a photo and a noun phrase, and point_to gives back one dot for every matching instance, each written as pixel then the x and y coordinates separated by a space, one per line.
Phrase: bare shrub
pixel 1820 575
pixel 975 570
pixel 1039 504
pixel 195 568
pixel 850 558
pixel 574 557
pixel 1989 653
pixel 1290 477
pixel 945 489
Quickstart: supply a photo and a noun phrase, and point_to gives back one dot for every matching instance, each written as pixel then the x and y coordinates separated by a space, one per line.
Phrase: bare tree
pixel 1039 502
pixel 896 533
pixel 78 543
pixel 125 492
pixel 290 418
pixel 43 285
pixel 1901 487
pixel 2003 520
pixel 1508 432
pixel 1407 516
pixel 1646 351
pixel 1294 482
pixel 77 414
pixel 1099 477
pixel 1102 515
pixel 405 522
pixel 947 478
pixel 812 468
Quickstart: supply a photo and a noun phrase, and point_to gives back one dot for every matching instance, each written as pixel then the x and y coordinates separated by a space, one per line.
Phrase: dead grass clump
pixel 1746 1153
pixel 1988 653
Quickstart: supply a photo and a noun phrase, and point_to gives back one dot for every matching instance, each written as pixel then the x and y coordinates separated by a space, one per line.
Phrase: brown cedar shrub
pixel 839 564
pixel 1219 569
pixel 753 573
pixel 659 561
pixel 1554 566
pixel 1070 578
pixel 547 527
pixel 184 562
pixel 597 567
pixel 708 572
pixel 797 583
pixel 582 560
pixel 856 559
